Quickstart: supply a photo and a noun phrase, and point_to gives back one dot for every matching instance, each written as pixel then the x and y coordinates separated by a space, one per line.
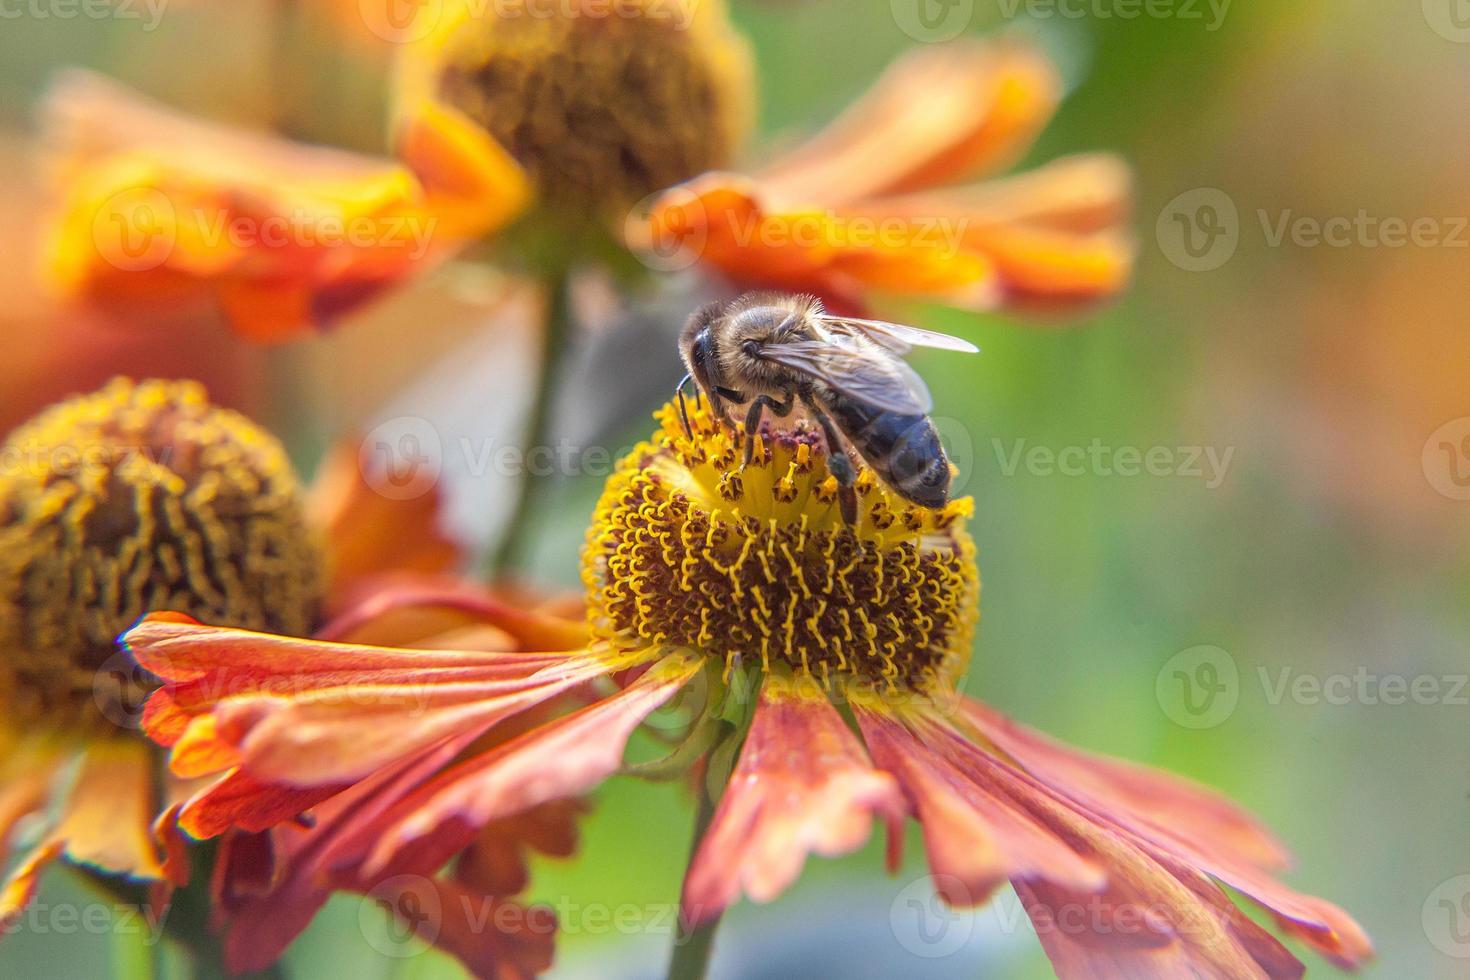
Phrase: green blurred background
pixel 1331 547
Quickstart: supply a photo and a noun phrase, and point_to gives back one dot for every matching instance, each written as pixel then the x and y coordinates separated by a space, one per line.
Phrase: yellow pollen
pixel 602 104
pixel 755 565
pixel 137 498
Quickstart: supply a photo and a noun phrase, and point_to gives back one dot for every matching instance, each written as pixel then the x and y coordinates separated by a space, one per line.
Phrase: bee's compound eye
pixel 752 348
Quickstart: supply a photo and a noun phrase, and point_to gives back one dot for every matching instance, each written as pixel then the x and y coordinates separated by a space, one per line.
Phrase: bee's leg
pixel 684 412
pixel 753 419
pixel 839 464
pixel 717 398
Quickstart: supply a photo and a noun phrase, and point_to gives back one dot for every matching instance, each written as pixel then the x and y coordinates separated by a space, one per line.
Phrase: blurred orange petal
pixel 104 822
pixel 870 205
pixel 156 209
pixel 371 533
pixel 937 115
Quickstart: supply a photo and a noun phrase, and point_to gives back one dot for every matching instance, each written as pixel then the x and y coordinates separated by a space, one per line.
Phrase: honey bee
pixel 769 352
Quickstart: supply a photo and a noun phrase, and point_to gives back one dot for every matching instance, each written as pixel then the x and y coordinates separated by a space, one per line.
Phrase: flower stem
pixel 532 485
pixel 690 958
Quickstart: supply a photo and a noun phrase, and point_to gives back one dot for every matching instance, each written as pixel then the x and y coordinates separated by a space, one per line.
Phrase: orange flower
pixel 143 496
pixel 708 580
pixel 273 877
pixel 876 203
pixel 156 211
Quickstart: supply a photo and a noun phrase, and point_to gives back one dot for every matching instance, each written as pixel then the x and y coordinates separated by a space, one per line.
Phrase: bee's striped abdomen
pixel 904 450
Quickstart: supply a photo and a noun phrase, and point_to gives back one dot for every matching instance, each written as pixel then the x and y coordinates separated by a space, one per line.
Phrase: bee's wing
pixel 871 376
pixel 897 337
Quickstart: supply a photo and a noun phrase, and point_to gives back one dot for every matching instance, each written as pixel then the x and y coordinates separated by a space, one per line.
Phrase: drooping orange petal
pixel 240 801
pixel 1156 867
pixel 368 532
pixel 270 885
pixel 561 759
pixel 309 713
pixel 803 785
pixel 976 835
pixel 492 937
pixel 496 863
pixel 937 115
pixel 1148 801
pixel 1191 824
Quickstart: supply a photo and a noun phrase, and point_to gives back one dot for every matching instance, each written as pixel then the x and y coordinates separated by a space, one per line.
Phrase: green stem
pixel 692 948
pixel 555 333
pixel 188 927
pixel 133 958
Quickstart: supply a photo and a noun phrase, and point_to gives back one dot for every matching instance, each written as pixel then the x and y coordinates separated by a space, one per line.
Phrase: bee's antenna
pixel 683 411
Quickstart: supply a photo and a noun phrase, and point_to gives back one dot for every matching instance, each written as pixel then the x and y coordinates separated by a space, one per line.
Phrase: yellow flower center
pixel 602 103
pixel 136 498
pixel 755 565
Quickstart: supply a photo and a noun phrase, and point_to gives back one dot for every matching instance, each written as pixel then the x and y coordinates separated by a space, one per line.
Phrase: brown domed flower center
pixel 138 498
pixel 602 103
pixel 755 565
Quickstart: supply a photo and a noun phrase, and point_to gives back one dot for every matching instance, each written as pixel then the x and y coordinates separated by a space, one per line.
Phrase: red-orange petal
pixel 1151 802
pixel 803 785
pixel 976 835
pixel 1155 868
pixel 560 759
pixel 397 610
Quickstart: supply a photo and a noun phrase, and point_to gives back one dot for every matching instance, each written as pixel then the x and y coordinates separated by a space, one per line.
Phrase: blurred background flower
pixel 1189 618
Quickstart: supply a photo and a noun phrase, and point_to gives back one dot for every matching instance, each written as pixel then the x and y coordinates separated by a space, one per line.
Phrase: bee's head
pixel 697 348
